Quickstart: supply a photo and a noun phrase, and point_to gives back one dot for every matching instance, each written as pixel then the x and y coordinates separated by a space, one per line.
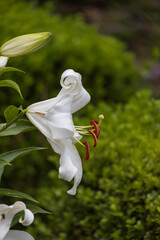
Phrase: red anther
pixel 93 121
pixel 94 137
pixel 95 126
pixel 87 150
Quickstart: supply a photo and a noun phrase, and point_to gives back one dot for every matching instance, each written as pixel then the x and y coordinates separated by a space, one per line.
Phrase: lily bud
pixel 3 61
pixel 24 44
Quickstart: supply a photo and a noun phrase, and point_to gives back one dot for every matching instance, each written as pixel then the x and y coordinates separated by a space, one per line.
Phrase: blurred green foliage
pixel 119 194
pixel 109 71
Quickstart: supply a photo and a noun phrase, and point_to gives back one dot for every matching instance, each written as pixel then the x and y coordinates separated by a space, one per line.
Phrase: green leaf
pixel 11 84
pixel 21 126
pixel 9 69
pixel 12 155
pixel 17 194
pixel 4 162
pixel 10 113
pixel 35 209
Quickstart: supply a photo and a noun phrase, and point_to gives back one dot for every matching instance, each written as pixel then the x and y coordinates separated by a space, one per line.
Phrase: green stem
pixel 13 120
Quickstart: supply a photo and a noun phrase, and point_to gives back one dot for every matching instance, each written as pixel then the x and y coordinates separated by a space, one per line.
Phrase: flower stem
pixel 13 120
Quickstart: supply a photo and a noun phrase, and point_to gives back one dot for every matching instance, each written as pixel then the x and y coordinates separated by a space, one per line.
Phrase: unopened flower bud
pixel 3 61
pixel 24 44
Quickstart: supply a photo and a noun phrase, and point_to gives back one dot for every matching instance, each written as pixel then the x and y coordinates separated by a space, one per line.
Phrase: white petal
pixel 3 61
pixel 57 145
pixel 28 218
pixel 80 100
pixel 43 106
pixel 71 82
pixel 8 213
pixel 70 165
pixel 18 235
pixel 76 160
pixel 59 119
pixel 40 122
pixel 67 169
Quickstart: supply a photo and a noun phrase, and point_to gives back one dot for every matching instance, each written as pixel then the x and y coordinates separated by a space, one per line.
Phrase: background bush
pixel 109 71
pixel 119 194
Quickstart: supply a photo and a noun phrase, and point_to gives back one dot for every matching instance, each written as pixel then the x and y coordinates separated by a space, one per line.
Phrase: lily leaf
pixel 35 209
pixel 17 194
pixel 10 113
pixel 12 155
pixel 21 126
pixel 11 84
pixel 4 162
pixel 9 69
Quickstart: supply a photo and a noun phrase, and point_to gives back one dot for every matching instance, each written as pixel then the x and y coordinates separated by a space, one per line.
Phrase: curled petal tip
pixel 28 218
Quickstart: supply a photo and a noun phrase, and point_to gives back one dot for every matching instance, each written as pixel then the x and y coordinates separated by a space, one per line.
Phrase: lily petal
pixel 28 218
pixel 67 169
pixel 70 163
pixel 72 84
pixel 18 235
pixel 59 119
pixel 7 214
pixel 76 160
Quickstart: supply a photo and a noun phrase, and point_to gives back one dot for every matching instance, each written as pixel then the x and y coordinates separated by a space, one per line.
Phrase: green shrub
pixel 119 197
pixel 109 71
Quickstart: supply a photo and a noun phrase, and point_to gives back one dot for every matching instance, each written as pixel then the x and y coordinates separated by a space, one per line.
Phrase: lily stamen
pixel 80 127
pixel 84 130
pixel 78 141
pixel 95 127
pixel 101 117
pixel 87 150
pixel 94 137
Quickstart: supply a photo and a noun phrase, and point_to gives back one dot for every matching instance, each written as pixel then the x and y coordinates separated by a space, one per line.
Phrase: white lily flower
pixel 53 118
pixel 7 214
pixel 3 61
